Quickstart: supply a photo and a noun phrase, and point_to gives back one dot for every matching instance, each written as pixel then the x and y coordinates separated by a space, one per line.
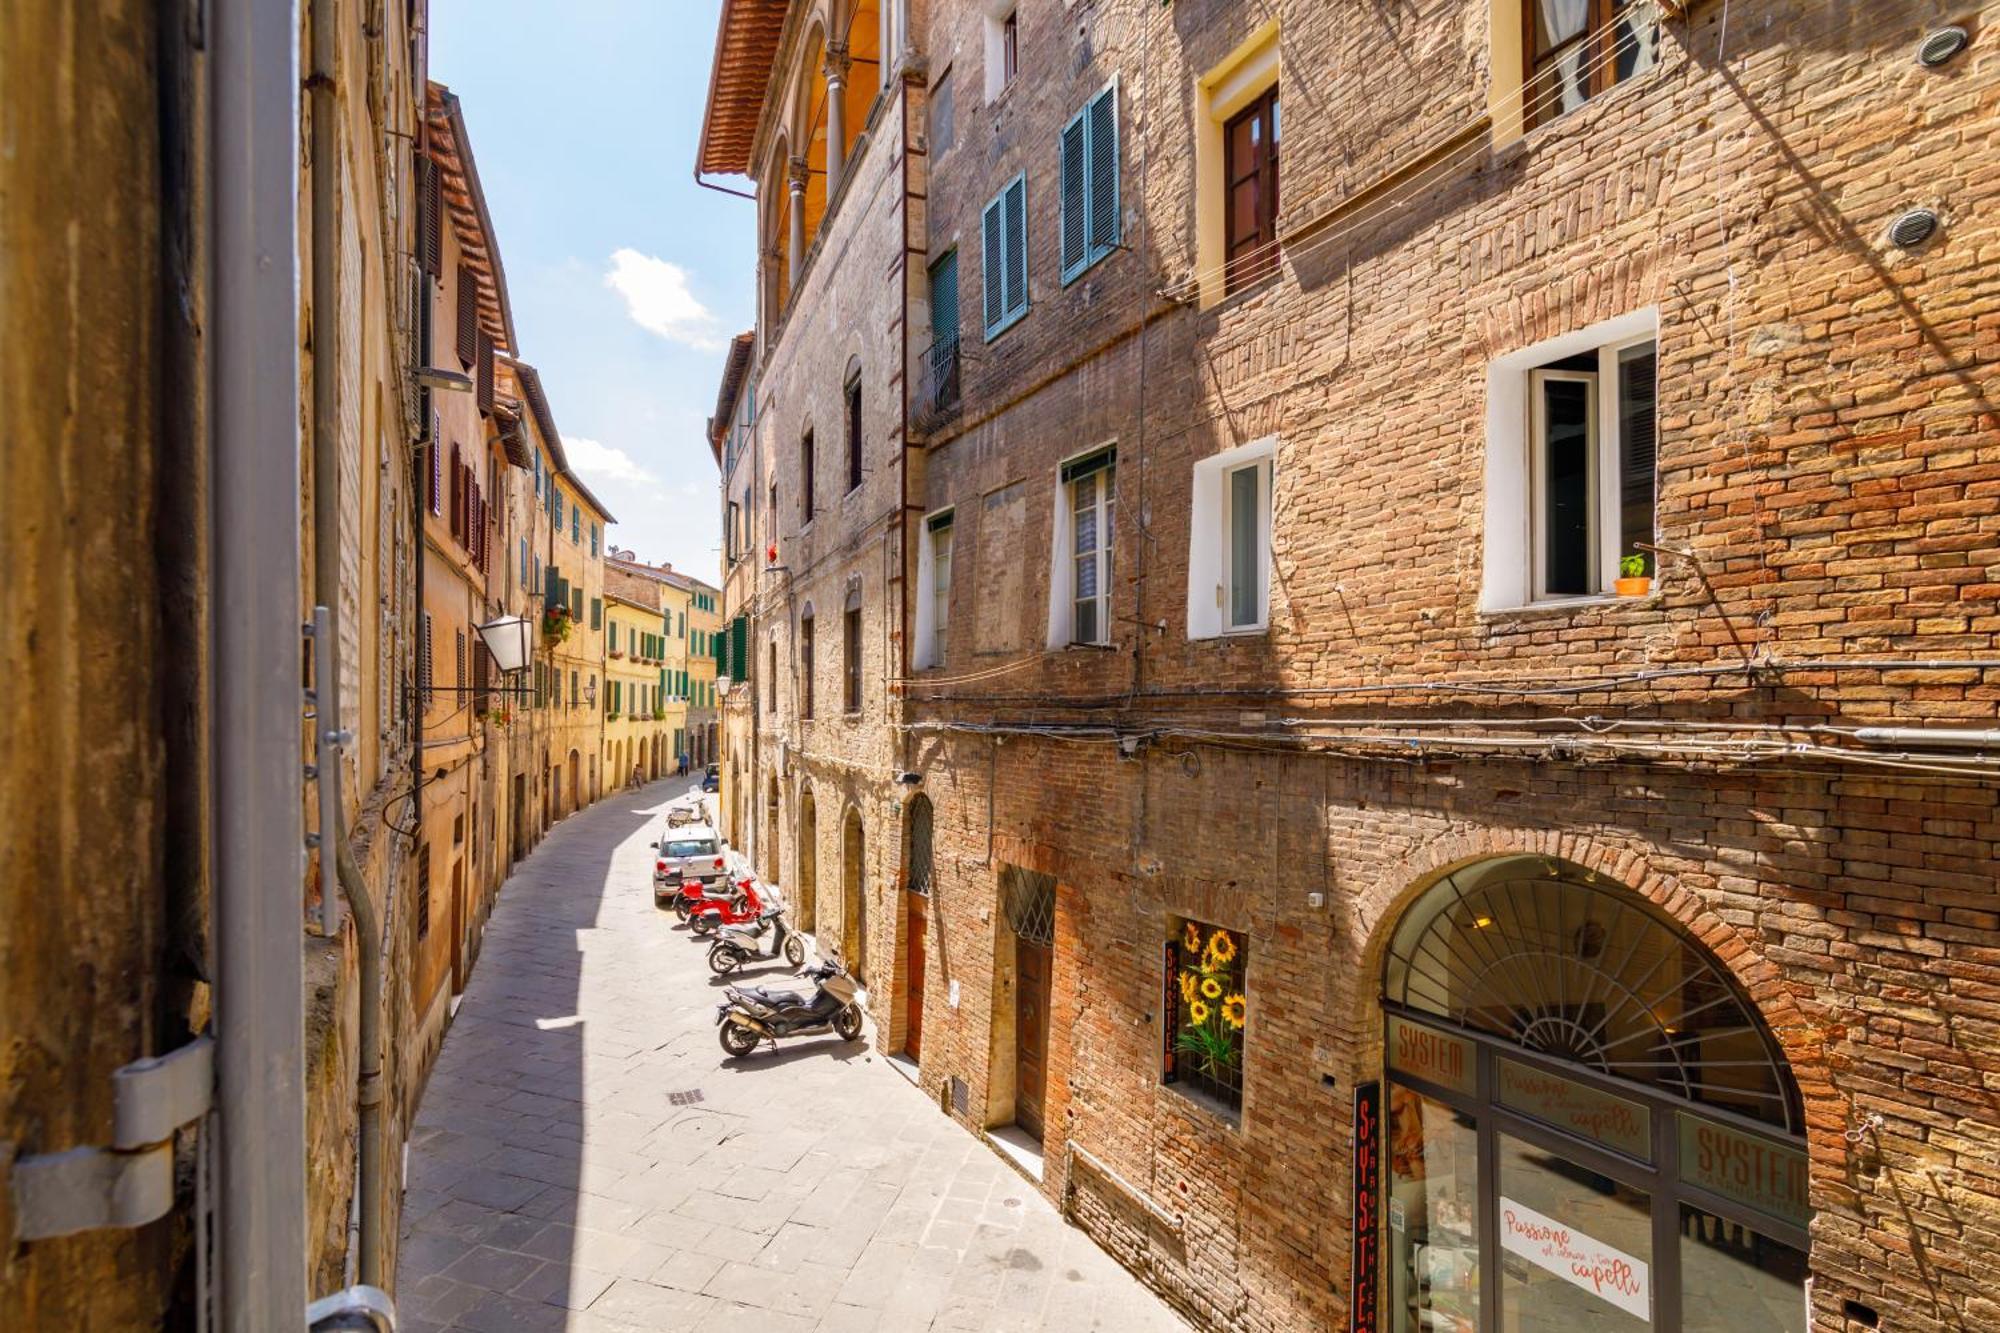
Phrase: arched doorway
pixel 807 888
pixel 1589 1126
pixel 575 781
pixel 853 898
pixel 917 890
pixel 771 857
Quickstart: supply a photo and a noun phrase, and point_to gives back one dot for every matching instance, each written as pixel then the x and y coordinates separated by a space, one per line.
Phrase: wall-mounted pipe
pixel 1941 738
pixel 258 819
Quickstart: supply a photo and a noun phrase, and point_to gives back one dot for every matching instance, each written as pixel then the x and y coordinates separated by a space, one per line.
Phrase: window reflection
pixel 1433 1216
pixel 1577 1246
pixel 1736 1280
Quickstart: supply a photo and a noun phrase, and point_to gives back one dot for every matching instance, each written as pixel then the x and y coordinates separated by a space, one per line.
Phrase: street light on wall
pixel 510 640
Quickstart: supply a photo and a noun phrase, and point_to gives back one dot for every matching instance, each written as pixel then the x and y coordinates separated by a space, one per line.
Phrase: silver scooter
pixel 736 945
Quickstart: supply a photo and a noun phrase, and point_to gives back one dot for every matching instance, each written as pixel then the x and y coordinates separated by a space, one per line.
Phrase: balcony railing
pixel 937 384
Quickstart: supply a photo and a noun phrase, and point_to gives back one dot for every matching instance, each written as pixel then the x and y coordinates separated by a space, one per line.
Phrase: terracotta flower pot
pixel 1635 587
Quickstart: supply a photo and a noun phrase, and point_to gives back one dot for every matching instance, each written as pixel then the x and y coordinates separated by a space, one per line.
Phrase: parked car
pixel 688 854
pixel 711 778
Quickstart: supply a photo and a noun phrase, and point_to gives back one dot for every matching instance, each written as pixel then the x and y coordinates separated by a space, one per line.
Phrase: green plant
pixel 1214 1050
pixel 1632 566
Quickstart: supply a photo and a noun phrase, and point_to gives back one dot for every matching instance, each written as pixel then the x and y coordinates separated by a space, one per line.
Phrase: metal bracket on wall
pixel 131 1182
pixel 360 1309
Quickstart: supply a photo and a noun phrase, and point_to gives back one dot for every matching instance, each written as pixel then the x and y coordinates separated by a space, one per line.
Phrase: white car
pixel 686 853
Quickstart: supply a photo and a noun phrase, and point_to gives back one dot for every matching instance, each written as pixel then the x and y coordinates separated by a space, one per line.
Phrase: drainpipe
pixel 326 584
pixel 254 706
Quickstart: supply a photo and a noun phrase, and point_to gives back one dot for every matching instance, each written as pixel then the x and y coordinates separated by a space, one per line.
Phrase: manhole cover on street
pixel 688 1098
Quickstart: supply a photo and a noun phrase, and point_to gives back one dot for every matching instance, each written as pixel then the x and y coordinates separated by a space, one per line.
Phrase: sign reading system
pixel 1443 1059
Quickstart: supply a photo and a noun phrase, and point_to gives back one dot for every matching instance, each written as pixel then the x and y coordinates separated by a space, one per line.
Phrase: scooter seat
pixel 774 998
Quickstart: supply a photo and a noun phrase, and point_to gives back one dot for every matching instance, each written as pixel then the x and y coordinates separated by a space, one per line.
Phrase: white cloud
pixel 603 465
pixel 658 300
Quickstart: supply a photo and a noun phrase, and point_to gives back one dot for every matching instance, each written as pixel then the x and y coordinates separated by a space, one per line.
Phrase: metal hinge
pixel 131 1182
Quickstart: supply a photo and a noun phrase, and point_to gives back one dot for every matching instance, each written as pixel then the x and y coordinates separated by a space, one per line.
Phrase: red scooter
pixel 740 907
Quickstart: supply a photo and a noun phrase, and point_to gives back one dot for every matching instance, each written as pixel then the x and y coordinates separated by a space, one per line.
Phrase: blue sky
pixel 627 280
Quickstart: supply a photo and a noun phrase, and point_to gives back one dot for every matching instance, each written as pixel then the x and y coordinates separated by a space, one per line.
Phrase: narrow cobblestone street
pixel 587 1159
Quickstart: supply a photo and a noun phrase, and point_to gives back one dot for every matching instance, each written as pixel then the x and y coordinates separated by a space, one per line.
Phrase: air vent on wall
pixel 1940 45
pixel 1913 228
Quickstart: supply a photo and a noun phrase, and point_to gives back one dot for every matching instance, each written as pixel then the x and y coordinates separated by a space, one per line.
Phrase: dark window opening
pixel 1250 198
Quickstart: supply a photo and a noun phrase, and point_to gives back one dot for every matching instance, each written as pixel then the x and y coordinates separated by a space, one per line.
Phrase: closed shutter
pixel 482 666
pixel 1075 198
pixel 468 316
pixel 992 267
pixel 597 613
pixel 484 383
pixel 457 496
pixel 458 663
pixel 551 588
pixel 1017 247
pixel 437 476
pixel 944 298
pixel 739 647
pixel 424 664
pixel 430 219
pixel 576 603
pixel 1102 225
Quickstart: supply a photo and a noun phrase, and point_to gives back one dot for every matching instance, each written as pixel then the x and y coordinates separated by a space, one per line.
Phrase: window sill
pixel 1558 606
pixel 998 330
pixel 1246 632
pixel 1231 1117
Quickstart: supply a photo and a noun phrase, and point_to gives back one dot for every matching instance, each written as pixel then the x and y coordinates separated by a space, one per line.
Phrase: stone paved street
pixel 586 1158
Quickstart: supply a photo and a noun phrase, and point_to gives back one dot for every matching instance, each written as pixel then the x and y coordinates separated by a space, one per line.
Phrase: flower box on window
pixel 1208 1012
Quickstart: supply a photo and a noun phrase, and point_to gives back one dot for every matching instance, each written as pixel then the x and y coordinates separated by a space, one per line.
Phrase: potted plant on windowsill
pixel 1633 581
pixel 611 716
pixel 556 624
pixel 500 717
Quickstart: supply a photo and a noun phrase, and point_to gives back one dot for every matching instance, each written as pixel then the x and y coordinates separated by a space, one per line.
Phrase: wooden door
pixel 913 1041
pixel 1031 1033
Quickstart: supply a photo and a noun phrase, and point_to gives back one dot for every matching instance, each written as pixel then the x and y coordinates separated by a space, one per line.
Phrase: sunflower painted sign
pixel 1210 1010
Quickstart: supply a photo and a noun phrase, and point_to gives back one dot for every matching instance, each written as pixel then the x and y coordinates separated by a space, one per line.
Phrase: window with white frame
pixel 1003 46
pixel 1080 579
pixel 1229 541
pixel 934 589
pixel 1571 434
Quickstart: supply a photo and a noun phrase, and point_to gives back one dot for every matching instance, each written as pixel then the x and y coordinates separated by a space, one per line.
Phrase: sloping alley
pixel 586 1158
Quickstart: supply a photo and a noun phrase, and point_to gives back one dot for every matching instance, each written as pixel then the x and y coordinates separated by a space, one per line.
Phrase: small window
pixel 851 651
pixel 1206 996
pixel 806 662
pixel 1246 545
pixel 1003 46
pixel 771 688
pixel 853 396
pixel 940 589
pixel 1010 46
pixel 1577 49
pixel 1004 257
pixel 1091 486
pixel 806 477
pixel 1250 174
pixel 423 891
pixel 943 112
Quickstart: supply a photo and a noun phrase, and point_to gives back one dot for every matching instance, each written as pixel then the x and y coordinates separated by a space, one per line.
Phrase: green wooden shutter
pixel 597 613
pixel 1016 197
pixel 992 267
pixel 944 296
pixel 1102 223
pixel 1075 197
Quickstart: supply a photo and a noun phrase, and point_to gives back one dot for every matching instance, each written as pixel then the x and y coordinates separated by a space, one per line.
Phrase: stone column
pixel 798 170
pixel 835 69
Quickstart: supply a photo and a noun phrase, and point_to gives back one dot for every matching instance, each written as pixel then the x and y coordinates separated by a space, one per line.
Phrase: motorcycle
pixel 756 1014
pixel 706 914
pixel 737 945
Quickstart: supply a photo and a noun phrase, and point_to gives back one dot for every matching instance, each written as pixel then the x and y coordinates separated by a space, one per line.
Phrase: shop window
pixel 1229 541
pixel 1571 463
pixel 1081 565
pixel 1433 1243
pixel 1209 1008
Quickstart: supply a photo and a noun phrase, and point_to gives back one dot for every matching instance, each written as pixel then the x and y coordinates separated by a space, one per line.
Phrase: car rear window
pixel 691 847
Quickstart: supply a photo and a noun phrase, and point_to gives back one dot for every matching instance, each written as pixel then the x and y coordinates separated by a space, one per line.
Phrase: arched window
pixel 851 650
pixel 919 878
pixel 1577 1084
pixel 851 402
pixel 806 661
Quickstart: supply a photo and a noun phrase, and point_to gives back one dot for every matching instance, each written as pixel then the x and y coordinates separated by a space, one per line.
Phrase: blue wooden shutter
pixel 1016 198
pixel 1102 225
pixel 944 296
pixel 992 270
pixel 1076 254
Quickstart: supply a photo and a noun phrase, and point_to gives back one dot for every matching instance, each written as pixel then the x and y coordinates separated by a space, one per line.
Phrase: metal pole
pixel 254 707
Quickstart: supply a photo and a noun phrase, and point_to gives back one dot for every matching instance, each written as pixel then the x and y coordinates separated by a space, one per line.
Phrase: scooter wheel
pixel 702 924
pixel 737 1040
pixel 795 951
pixel 680 907
pixel 847 1023
pixel 722 961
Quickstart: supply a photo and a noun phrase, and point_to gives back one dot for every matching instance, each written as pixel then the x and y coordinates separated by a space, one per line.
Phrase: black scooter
pixel 737 945
pixel 756 1014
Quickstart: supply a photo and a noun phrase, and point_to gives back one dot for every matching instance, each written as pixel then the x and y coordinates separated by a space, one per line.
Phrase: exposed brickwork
pixel 1828 450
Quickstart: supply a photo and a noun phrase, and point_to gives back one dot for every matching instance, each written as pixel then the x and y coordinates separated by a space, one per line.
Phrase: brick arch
pixel 1381 906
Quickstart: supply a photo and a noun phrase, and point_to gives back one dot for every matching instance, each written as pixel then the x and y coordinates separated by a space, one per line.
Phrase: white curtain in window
pixel 1562 20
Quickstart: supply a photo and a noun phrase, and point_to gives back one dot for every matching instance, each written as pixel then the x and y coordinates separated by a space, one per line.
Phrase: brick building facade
pixel 1254 581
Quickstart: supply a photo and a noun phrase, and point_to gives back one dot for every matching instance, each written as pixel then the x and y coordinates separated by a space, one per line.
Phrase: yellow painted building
pixel 640 720
pixel 704 627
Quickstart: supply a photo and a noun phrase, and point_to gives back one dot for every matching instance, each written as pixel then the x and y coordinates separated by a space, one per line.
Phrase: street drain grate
pixel 688 1098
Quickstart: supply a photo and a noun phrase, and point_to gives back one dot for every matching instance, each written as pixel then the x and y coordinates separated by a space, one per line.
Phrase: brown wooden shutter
pixel 424 664
pixel 468 316
pixel 430 216
pixel 457 496
pixel 485 372
pixel 437 477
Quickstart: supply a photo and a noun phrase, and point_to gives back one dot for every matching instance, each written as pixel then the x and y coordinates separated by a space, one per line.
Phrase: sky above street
pixel 627 279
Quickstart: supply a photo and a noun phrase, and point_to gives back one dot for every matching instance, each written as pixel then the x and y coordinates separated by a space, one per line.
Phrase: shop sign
pixel 1605 1270
pixel 1577 1108
pixel 1367 1178
pixel 1434 1056
pixel 1745 1168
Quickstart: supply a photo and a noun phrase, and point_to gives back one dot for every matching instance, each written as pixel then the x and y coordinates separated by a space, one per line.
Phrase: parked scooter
pixel 756 1014
pixel 736 945
pixel 739 908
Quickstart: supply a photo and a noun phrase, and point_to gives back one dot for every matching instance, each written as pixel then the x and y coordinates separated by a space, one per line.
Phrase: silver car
pixel 685 854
